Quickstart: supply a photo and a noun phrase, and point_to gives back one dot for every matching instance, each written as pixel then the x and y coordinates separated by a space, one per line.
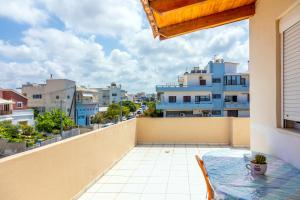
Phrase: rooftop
pixel 168 172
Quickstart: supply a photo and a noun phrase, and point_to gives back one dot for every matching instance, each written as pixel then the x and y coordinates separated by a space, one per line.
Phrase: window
pixel 216 96
pixel 202 81
pixel 68 97
pixel 216 80
pixel 186 99
pixel 290 28
pixel 199 99
pixel 57 97
pixel 216 112
pixel 19 104
pixel 230 98
pixel 36 96
pixel 6 107
pixel 172 99
pixel 243 81
pixel 114 94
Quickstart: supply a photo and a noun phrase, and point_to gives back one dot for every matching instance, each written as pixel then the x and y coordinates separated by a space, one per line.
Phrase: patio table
pixel 231 180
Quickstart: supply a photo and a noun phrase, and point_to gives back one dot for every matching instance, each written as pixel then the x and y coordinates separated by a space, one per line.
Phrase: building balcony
pixel 184 106
pixel 5 112
pixel 242 88
pixel 178 88
pixel 87 101
pixel 236 105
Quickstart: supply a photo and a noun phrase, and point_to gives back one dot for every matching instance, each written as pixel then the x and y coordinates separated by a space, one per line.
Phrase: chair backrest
pixel 210 192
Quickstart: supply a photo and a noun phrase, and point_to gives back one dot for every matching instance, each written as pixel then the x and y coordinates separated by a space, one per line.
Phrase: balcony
pixel 185 106
pixel 5 112
pixel 117 162
pixel 242 88
pixel 178 88
pixel 236 105
pixel 87 101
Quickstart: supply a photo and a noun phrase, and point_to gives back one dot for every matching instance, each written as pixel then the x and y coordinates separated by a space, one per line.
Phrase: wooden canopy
pixel 170 18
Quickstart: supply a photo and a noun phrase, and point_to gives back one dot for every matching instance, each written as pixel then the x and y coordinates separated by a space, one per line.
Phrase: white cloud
pixel 109 17
pixel 23 11
pixel 50 51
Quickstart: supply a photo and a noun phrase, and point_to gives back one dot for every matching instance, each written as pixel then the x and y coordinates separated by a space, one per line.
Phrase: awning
pixel 103 109
pixel 87 95
pixel 3 101
pixel 170 18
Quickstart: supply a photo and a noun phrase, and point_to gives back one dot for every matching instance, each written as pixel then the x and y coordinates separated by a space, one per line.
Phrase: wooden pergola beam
pixel 209 21
pixel 162 6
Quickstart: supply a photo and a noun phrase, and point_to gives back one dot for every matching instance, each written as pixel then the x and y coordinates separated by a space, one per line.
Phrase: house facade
pixel 87 105
pixel 13 107
pixel 54 94
pixel 216 90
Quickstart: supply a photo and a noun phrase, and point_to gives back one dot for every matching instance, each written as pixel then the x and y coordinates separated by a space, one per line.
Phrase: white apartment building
pixel 54 94
pixel 111 94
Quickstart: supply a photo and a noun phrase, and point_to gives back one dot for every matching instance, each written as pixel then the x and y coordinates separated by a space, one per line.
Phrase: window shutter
pixel 291 73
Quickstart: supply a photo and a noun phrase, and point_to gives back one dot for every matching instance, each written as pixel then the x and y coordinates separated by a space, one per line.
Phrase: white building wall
pixel 23 116
pixel 179 95
pixel 230 68
pixel 194 79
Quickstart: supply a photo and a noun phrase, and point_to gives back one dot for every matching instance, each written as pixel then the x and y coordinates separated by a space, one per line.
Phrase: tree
pixel 113 112
pixel 151 111
pixel 132 107
pixel 50 122
pixel 99 118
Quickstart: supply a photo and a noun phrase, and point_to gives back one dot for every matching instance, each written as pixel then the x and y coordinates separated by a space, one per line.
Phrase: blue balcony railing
pixel 242 88
pixel 236 105
pixel 165 88
pixel 212 87
pixel 184 106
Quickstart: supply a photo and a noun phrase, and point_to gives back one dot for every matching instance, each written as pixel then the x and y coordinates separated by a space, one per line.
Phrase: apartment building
pixel 54 94
pixel 110 94
pixel 215 90
pixel 13 107
pixel 87 105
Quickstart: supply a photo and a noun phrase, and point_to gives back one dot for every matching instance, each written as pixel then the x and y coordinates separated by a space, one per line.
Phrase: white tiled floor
pixel 153 172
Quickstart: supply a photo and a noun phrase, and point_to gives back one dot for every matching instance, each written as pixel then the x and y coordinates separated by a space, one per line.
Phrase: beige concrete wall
pixel 193 130
pixel 61 170
pixel 265 88
pixel 240 132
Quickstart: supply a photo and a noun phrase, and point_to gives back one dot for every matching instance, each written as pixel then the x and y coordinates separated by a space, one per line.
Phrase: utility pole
pixel 121 104
pixel 61 122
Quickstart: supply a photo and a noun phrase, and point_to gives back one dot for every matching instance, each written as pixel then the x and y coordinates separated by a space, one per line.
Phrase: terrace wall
pixel 214 130
pixel 60 171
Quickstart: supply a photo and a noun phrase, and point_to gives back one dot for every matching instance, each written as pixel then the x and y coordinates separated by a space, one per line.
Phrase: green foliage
pixel 99 118
pixel 129 104
pixel 27 130
pixel 9 131
pixel 18 134
pixel 125 111
pixel 151 111
pixel 113 112
pixel 50 121
pixel 259 159
pixel 36 113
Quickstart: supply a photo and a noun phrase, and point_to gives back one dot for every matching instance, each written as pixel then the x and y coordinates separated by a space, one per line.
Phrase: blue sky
pixel 95 43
